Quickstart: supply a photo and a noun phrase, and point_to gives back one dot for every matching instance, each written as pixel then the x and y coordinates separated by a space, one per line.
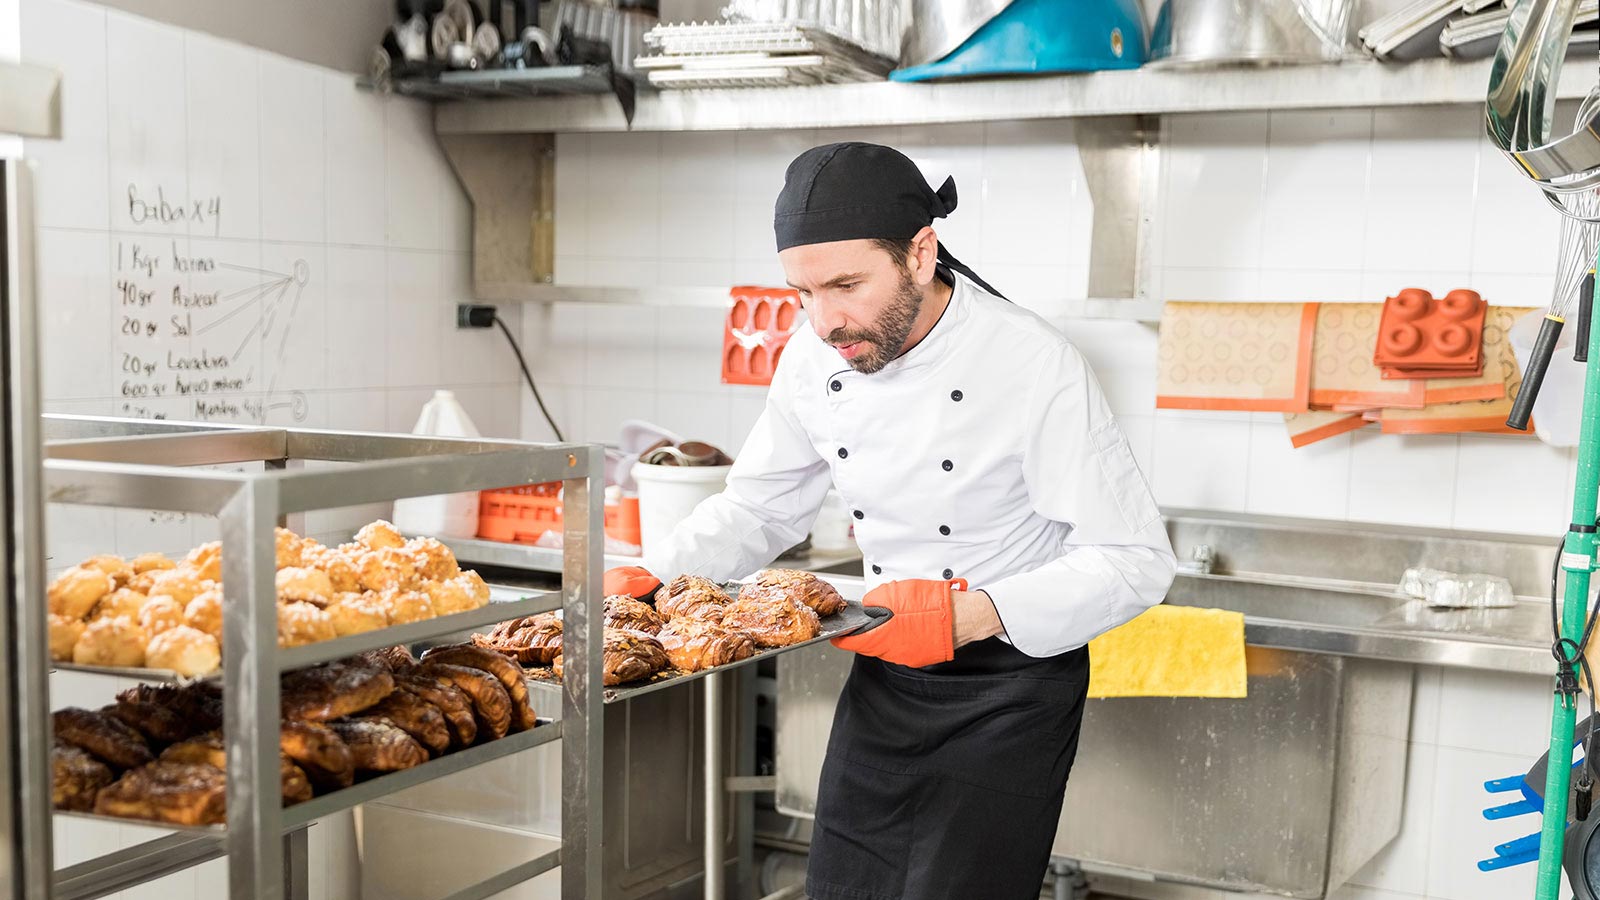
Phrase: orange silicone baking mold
pixel 759 324
pixel 1421 334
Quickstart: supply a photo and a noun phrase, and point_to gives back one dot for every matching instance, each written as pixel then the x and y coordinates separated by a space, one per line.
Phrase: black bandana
pixel 856 191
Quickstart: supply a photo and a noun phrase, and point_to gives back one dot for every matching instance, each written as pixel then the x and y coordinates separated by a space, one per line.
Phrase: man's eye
pixel 850 286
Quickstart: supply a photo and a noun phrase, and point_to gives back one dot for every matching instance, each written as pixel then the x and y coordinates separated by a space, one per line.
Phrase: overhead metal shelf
pixel 1361 83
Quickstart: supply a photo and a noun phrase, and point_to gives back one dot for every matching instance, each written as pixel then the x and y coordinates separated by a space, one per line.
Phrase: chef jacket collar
pixel 937 342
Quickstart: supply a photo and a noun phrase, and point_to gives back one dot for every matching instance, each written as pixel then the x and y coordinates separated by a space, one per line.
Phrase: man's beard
pixel 881 341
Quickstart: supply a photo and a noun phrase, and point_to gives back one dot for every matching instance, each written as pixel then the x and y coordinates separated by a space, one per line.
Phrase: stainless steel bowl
pixel 1222 32
pixel 938 27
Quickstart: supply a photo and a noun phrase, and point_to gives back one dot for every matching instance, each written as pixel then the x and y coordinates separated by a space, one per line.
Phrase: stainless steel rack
pixel 496 84
pixel 152 466
pixel 718 784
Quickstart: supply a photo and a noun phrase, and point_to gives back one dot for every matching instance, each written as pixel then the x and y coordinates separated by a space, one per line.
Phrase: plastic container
pixel 441 515
pixel 667 494
pixel 1558 409
pixel 521 515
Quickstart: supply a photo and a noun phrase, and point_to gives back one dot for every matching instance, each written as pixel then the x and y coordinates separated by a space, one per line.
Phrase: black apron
pixel 946 783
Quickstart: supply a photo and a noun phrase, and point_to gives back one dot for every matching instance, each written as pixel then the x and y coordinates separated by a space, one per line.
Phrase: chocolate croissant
pixel 629 614
pixel 531 641
pixel 416 717
pixel 209 749
pixel 319 751
pixel 626 656
pixel 498 665
pixel 176 793
pixel 105 737
pixel 691 596
pixel 491 705
pixel 332 691
pixel 821 596
pixel 448 699
pixel 75 777
pixel 378 745
pixel 772 619
pixel 693 645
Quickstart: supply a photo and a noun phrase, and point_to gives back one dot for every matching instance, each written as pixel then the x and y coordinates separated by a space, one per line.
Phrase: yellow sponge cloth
pixel 1171 651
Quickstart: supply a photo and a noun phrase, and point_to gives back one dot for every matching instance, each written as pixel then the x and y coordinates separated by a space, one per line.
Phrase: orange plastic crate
pixel 521 515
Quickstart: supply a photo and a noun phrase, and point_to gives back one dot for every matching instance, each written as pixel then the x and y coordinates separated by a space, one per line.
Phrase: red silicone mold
pixel 1418 332
pixel 759 324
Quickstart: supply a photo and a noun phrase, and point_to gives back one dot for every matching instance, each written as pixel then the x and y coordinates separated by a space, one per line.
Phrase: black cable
pixel 1566 680
pixel 529 376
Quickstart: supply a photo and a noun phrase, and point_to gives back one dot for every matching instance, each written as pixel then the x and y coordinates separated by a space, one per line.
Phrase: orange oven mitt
pixel 915 623
pixel 633 581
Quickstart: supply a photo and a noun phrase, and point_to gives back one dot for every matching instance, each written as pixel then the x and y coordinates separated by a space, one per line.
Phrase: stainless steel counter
pixel 1313 586
pixel 1331 588
pixel 1315 758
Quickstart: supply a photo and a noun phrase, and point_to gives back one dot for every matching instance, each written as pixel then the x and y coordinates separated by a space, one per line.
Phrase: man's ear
pixel 924 258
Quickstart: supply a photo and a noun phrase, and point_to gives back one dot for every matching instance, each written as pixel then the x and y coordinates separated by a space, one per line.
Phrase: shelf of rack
pixel 1146 91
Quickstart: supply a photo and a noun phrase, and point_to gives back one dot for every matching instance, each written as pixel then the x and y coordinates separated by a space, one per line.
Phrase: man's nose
pixel 825 317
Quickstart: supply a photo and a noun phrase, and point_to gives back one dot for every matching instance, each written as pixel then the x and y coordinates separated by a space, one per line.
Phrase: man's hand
pixel 921 627
pixel 632 581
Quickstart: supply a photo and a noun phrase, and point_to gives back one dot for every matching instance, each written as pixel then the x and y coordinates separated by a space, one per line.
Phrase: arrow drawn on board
pixel 279 286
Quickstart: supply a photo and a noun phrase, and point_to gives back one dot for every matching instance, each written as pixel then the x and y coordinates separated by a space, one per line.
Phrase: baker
pixel 1000 512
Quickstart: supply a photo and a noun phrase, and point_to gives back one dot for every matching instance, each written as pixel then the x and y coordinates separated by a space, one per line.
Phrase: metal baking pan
pixel 836 625
pixel 1410 32
pixel 504 603
pixel 302 814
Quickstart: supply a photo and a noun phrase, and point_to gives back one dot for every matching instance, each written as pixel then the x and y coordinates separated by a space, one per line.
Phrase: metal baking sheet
pixel 836 625
pixel 301 814
pixel 504 603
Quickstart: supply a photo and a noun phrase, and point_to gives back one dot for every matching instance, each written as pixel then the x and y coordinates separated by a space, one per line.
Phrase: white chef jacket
pixel 986 452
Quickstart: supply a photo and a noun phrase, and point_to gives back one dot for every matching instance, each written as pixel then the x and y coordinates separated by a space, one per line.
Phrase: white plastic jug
pixel 441 515
pixel 667 494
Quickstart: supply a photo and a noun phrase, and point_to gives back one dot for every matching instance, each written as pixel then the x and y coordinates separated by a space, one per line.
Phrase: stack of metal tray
pixel 754 54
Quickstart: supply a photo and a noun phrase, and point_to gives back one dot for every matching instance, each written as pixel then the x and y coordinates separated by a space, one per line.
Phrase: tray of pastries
pixel 158 753
pixel 155 617
pixel 690 626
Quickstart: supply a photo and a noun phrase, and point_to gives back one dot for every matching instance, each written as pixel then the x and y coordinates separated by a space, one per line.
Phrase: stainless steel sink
pixel 1373 621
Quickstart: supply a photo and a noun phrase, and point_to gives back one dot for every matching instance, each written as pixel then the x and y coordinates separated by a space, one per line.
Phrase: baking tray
pixel 302 814
pixel 504 603
pixel 836 625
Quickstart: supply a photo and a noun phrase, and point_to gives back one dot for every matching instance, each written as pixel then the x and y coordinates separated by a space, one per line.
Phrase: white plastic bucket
pixel 667 494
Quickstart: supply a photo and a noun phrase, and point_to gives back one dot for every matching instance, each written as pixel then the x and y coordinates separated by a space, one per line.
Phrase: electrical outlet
pixel 474 315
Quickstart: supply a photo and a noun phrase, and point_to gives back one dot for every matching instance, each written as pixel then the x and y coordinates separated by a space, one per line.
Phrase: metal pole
pixel 250 692
pixel 297 865
pixel 715 874
pixel 582 693
pixel 26 695
pixel 1578 560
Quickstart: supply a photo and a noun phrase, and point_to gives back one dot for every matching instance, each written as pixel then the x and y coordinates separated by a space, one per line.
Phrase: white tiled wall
pixel 1341 205
pixel 1325 206
pixel 309 168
